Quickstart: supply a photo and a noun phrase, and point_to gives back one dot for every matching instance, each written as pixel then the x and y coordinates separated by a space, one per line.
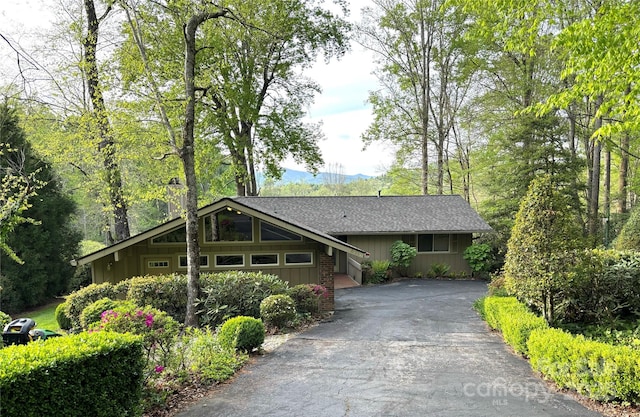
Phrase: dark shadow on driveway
pixel 411 348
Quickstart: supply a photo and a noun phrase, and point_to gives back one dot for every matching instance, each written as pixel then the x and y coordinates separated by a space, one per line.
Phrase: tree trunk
pixel 623 173
pixel 425 83
pixel 594 202
pixel 106 146
pixel 187 155
pixel 607 195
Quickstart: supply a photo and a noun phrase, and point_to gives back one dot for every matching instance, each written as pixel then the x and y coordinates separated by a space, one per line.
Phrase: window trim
pixel 213 217
pixel 155 264
pixel 433 251
pixel 277 255
pixel 261 222
pixel 180 257
pixel 299 263
pixel 215 260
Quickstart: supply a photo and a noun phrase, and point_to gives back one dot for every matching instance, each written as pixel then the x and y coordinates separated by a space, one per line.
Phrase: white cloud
pixel 345 115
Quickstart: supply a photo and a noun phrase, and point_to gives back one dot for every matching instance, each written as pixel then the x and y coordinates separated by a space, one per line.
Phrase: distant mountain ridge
pixel 294 176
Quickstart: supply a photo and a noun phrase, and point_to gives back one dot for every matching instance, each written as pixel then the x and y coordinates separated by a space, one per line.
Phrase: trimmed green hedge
pixel 513 319
pixel 241 333
pixel 599 370
pixel 88 374
pixel 78 300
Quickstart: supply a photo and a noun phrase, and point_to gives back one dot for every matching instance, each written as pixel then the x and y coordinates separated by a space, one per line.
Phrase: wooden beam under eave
pixel 116 256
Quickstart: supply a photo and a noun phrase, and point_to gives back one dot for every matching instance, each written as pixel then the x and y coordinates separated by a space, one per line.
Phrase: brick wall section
pixel 326 280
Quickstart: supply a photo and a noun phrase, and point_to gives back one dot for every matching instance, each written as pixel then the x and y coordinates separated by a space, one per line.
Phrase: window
pixel 270 233
pixel 228 226
pixel 174 236
pixel 264 259
pixel 304 258
pixel 433 243
pixel 229 260
pixel 204 261
pixel 158 264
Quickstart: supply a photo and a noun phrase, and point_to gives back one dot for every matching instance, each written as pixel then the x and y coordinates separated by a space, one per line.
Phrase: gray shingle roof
pixel 367 215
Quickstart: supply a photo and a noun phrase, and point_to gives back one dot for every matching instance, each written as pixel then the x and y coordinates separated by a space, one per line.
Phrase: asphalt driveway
pixel 411 348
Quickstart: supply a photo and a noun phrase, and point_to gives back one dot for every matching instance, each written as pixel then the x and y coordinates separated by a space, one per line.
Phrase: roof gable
pixel 280 221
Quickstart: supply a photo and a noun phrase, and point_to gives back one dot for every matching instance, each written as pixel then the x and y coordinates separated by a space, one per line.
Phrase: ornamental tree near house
pixel 544 238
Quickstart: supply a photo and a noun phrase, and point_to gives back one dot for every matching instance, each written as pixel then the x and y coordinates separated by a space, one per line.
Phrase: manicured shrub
pixel 236 293
pixel 478 305
pixel 164 292
pixel 598 370
pixel 78 300
pixel 79 375
pixel 307 297
pixel 242 333
pixel 513 319
pixel 278 310
pixel 402 255
pixel 93 312
pixel 540 251
pixel 64 322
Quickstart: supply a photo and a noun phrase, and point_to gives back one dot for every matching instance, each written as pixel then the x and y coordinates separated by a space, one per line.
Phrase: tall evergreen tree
pixel 541 243
pixel 46 244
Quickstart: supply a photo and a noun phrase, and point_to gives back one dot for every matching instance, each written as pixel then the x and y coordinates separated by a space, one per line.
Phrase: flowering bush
pixel 157 328
pixel 93 312
pixel 307 297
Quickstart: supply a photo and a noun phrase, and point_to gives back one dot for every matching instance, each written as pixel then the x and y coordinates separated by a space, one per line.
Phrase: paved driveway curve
pixel 411 348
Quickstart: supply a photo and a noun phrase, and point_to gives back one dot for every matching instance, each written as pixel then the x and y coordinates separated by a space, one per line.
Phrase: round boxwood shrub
pixel 278 310
pixel 64 322
pixel 241 333
pixel 78 300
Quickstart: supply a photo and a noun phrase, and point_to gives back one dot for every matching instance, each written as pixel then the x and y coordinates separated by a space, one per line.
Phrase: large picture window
pixel 433 243
pixel 271 233
pixel 228 226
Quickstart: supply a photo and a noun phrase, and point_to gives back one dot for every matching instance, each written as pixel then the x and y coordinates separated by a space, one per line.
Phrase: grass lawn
pixel 43 316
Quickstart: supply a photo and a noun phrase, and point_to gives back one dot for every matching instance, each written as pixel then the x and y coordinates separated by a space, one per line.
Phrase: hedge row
pixel 513 319
pixel 88 374
pixel 601 371
pixel 224 295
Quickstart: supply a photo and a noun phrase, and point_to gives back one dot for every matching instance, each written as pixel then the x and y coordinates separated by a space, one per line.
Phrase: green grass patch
pixel 44 316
